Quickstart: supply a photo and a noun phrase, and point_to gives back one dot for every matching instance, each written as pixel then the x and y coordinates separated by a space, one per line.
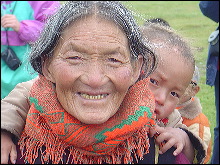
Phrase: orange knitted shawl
pixel 48 125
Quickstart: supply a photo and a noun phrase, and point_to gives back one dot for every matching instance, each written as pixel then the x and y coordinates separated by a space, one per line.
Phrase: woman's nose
pixel 94 75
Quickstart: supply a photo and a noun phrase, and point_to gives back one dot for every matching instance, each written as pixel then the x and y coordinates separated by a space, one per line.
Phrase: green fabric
pixel 10 78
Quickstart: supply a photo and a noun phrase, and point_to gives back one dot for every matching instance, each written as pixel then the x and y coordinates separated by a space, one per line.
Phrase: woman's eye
pixel 114 60
pixel 174 94
pixel 153 81
pixel 74 58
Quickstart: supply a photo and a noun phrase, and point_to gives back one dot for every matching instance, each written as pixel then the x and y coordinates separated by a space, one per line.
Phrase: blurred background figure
pixel 21 23
pixel 210 9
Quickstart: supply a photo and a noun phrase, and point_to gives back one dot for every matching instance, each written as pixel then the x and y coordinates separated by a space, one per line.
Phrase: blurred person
pixel 210 9
pixel 190 109
pixel 21 24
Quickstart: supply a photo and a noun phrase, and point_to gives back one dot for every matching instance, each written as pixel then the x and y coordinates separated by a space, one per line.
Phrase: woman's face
pixel 169 81
pixel 92 70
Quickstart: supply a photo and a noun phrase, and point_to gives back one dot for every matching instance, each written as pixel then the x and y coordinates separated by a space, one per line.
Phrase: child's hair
pixel 159 36
pixel 160 21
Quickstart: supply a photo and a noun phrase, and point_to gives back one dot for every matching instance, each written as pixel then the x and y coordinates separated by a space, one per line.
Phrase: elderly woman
pixel 89 104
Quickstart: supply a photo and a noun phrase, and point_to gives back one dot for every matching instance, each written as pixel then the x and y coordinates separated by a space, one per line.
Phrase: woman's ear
pixel 46 70
pixel 137 65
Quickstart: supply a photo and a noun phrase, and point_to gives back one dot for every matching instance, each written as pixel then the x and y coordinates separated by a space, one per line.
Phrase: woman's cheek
pixel 124 76
pixel 63 73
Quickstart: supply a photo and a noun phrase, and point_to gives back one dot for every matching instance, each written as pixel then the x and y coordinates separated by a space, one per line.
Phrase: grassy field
pixel 187 19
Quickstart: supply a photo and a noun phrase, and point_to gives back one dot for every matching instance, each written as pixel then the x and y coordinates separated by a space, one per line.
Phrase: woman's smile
pixel 92 96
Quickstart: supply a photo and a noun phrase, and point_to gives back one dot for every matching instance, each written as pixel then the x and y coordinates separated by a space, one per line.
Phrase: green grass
pixel 188 20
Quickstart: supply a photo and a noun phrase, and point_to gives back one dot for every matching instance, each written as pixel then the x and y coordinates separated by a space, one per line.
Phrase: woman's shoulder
pixel 27 84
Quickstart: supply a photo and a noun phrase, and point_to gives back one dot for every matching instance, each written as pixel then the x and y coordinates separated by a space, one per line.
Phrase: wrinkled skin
pixel 92 69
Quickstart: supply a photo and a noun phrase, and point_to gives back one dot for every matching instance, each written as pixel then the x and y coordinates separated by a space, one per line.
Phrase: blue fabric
pixel 211 10
pixel 211 68
pixel 215 154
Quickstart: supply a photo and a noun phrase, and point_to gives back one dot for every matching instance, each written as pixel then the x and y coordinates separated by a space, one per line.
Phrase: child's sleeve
pixel 198 145
pixel 200 126
pixel 14 108
pixel 175 121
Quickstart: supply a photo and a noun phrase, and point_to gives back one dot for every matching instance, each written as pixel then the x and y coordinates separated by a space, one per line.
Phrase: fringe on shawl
pixel 135 146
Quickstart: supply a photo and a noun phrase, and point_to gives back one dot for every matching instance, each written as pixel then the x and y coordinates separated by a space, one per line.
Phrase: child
pixel 190 109
pixel 168 83
pixel 167 121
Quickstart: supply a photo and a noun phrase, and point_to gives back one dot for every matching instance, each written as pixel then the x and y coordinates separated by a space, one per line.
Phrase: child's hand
pixel 169 137
pixel 8 149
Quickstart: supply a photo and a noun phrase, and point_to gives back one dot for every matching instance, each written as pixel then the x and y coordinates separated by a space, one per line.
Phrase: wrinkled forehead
pixel 93 25
pixel 96 32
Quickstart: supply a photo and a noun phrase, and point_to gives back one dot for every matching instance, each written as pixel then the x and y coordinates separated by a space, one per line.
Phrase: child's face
pixel 169 80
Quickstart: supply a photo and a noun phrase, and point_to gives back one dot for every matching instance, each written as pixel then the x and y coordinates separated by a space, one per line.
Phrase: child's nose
pixel 160 97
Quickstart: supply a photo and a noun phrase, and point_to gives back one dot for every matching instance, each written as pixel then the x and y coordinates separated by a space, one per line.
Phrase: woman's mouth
pixel 93 97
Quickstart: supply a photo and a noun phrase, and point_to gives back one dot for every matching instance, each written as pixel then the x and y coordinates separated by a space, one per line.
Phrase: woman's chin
pixel 94 119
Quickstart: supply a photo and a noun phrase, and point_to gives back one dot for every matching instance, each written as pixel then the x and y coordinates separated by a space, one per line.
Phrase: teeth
pixel 97 97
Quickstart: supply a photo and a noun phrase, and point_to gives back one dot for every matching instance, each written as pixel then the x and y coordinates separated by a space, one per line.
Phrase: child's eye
pixel 153 81
pixel 174 94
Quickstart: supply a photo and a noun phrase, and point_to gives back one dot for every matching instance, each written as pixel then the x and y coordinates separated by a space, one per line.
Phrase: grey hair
pixel 73 10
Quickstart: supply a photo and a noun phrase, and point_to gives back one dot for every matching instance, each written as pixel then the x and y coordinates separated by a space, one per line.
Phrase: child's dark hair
pixel 157 36
pixel 160 21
